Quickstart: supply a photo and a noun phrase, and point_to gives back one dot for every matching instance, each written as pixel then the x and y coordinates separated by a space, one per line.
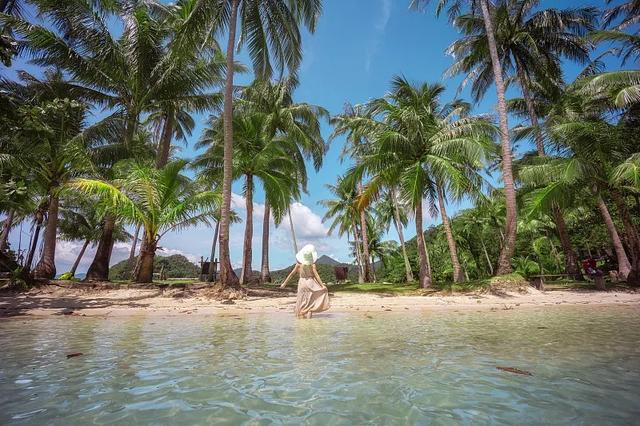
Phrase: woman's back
pixel 306 271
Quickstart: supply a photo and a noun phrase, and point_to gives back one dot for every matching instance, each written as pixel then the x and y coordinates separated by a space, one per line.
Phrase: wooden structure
pixel 204 269
pixel 341 272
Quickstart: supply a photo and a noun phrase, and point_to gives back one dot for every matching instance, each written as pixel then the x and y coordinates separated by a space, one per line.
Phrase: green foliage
pixel 175 266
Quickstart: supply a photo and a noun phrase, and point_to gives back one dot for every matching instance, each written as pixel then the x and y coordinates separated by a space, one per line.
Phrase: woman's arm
pixel 286 280
pixel 315 273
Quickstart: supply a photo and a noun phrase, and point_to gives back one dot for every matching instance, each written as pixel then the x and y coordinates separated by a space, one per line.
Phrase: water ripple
pixel 343 369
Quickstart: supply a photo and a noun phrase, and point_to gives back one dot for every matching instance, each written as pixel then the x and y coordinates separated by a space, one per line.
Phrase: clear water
pixel 432 368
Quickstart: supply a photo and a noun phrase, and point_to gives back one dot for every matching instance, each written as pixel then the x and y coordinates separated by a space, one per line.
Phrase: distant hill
pixel 326 260
pixel 176 266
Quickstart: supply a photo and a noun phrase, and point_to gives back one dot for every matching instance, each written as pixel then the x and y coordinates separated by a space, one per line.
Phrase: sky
pixel 358 46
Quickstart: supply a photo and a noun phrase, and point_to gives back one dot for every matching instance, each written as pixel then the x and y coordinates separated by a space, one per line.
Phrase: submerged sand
pixel 64 300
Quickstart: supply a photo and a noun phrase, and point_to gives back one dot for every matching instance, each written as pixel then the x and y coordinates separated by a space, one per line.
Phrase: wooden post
pixel 599 282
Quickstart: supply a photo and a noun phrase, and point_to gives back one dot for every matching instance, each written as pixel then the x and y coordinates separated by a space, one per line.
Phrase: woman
pixel 313 295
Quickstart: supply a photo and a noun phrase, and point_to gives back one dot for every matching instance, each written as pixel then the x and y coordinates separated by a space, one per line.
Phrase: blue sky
pixel 359 45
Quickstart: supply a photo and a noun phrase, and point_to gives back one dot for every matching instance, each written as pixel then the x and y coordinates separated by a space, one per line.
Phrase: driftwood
pixel 515 371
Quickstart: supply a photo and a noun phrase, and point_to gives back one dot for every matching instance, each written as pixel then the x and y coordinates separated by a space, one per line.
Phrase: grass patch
pixel 386 288
pixel 474 286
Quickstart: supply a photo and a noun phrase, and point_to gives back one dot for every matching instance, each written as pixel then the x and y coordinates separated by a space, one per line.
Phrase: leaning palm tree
pixel 270 28
pixel 455 7
pixel 162 200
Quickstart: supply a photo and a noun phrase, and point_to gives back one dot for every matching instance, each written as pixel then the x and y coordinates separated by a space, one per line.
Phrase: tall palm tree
pixel 270 28
pixel 52 127
pixel 300 122
pixel 455 7
pixel 531 44
pixel 162 200
pixel 256 155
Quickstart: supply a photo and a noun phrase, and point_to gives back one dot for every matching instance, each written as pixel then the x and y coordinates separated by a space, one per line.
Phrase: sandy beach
pixel 64 300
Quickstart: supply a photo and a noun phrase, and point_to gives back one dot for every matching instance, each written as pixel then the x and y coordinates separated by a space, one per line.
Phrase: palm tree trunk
pixel 162 156
pixel 265 275
pixel 632 236
pixel 79 258
pixel 365 240
pixel 508 249
pixel 132 252
pixel 396 221
pixel 227 276
pixel 99 268
pixel 247 272
pixel 486 255
pixel 425 276
pixel 373 270
pixel 212 266
pixel 358 253
pixel 458 274
pixel 34 240
pixel 46 268
pixel 144 273
pixel 426 250
pixel 293 233
pixel 624 267
pixel 6 228
pixel 571 265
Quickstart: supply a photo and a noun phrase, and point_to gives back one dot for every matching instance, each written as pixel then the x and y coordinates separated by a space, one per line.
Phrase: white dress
pixel 312 297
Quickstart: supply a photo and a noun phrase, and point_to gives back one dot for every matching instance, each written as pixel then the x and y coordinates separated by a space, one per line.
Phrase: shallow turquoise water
pixel 431 368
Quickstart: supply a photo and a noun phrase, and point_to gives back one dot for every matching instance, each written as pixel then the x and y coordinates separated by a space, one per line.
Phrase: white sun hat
pixel 307 255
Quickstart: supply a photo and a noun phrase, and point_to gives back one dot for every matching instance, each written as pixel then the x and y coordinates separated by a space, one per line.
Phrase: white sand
pixel 52 300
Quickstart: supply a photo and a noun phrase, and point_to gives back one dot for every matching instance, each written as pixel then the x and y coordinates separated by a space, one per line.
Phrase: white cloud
pixel 379 28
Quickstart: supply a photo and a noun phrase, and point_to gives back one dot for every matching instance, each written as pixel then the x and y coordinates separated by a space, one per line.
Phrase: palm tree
pixel 345 124
pixel 269 27
pixel 389 209
pixel 343 212
pixel 151 65
pixel 426 145
pixel 454 9
pixel 300 122
pixel 214 243
pixel 52 127
pixel 531 44
pixel 256 155
pixel 629 11
pixel 162 200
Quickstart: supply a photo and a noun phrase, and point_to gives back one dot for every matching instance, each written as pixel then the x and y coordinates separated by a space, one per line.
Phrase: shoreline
pixel 55 300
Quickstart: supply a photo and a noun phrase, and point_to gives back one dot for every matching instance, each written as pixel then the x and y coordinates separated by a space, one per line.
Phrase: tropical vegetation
pixel 90 144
